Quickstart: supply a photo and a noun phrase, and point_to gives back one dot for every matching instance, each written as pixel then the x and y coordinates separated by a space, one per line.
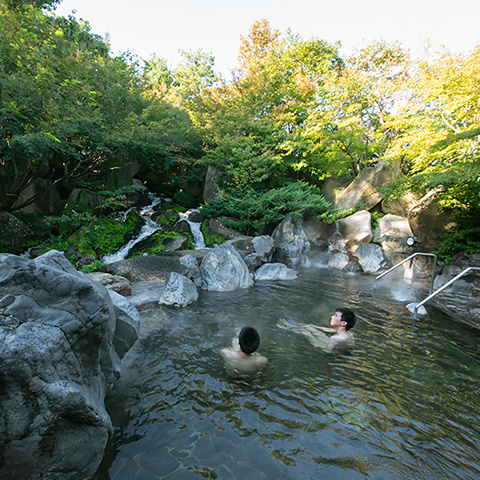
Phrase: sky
pixel 162 28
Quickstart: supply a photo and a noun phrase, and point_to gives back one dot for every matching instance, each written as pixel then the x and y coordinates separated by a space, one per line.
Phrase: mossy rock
pixel 164 206
pixel 210 238
pixel 167 217
pixel 161 241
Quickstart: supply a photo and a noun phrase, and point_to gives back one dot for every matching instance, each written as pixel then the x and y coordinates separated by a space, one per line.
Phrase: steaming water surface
pixel 404 404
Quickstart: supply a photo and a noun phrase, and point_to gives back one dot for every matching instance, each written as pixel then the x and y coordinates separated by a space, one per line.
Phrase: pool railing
pixel 443 287
pixel 411 259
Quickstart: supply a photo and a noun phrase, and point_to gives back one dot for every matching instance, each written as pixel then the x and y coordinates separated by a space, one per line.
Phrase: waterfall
pixel 337 242
pixel 195 228
pixel 148 228
pixel 151 227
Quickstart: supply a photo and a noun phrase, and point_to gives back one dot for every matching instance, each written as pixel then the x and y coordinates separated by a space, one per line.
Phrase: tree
pixel 254 126
pixel 69 110
pixel 260 40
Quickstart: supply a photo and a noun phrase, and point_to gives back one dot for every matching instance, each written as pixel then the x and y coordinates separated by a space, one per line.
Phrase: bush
pixel 254 211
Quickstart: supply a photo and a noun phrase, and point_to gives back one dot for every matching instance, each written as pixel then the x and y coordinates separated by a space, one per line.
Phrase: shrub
pixel 253 211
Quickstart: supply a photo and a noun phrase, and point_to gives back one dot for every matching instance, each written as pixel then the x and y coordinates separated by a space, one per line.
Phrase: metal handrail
pixel 443 287
pixel 411 261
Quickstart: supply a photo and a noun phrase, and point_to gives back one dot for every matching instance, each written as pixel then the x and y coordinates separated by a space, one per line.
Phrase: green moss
pixel 211 238
pixel 157 243
pixel 170 217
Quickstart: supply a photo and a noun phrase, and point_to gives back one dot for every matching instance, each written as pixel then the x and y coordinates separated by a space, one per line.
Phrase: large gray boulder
pixel 371 258
pixel 275 271
pixel 179 291
pixel 62 337
pixel 223 269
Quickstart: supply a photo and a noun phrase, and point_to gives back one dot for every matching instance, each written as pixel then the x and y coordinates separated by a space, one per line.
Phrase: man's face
pixel 336 319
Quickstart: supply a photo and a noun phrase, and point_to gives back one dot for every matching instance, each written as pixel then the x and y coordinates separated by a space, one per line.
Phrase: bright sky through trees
pixel 163 27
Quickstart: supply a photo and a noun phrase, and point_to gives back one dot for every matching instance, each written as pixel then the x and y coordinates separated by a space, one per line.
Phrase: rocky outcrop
pixel 14 234
pixel 428 220
pixel 363 190
pixel 214 179
pixel 371 258
pixel 62 337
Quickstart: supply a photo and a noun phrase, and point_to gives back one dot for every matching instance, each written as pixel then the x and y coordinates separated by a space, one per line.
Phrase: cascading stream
pixel 151 227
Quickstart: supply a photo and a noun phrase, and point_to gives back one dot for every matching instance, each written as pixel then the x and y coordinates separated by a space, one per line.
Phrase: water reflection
pixel 403 404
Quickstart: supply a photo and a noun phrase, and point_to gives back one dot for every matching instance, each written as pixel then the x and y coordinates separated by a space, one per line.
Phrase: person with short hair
pixel 342 321
pixel 244 358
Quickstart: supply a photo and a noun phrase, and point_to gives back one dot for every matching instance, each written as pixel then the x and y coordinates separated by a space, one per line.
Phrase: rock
pixel 253 261
pixel 243 244
pixel 85 199
pixel 356 229
pixel 428 220
pixel 318 233
pixel 216 226
pixel 47 201
pixel 118 284
pixel 290 255
pixel 371 258
pixel 213 181
pixel 14 234
pixel 291 244
pixel 460 286
pixel 400 206
pixel 421 311
pixel 195 216
pixel 62 337
pixel 275 271
pixel 179 291
pixel 363 190
pixel 160 241
pixel 338 261
pixel 393 232
pixel 127 323
pixel 223 269
pixel 290 231
pixel 264 246
pixel 157 267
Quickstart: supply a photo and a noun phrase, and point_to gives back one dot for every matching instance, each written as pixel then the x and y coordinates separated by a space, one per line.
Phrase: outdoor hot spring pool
pixel 403 404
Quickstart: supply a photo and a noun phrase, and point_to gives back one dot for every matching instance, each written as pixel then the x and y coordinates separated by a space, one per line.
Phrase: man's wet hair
pixel 249 340
pixel 347 316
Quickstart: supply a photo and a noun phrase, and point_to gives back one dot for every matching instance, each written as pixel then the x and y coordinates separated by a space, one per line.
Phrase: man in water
pixel 342 321
pixel 243 358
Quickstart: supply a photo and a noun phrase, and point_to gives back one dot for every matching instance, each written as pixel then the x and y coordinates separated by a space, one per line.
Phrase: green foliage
pixel 332 216
pixel 255 210
pixel 70 110
pixel 185 199
pixel 458 239
pixel 85 234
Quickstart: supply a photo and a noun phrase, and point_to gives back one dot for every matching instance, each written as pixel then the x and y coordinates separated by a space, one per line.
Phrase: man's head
pixel 249 340
pixel 347 316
